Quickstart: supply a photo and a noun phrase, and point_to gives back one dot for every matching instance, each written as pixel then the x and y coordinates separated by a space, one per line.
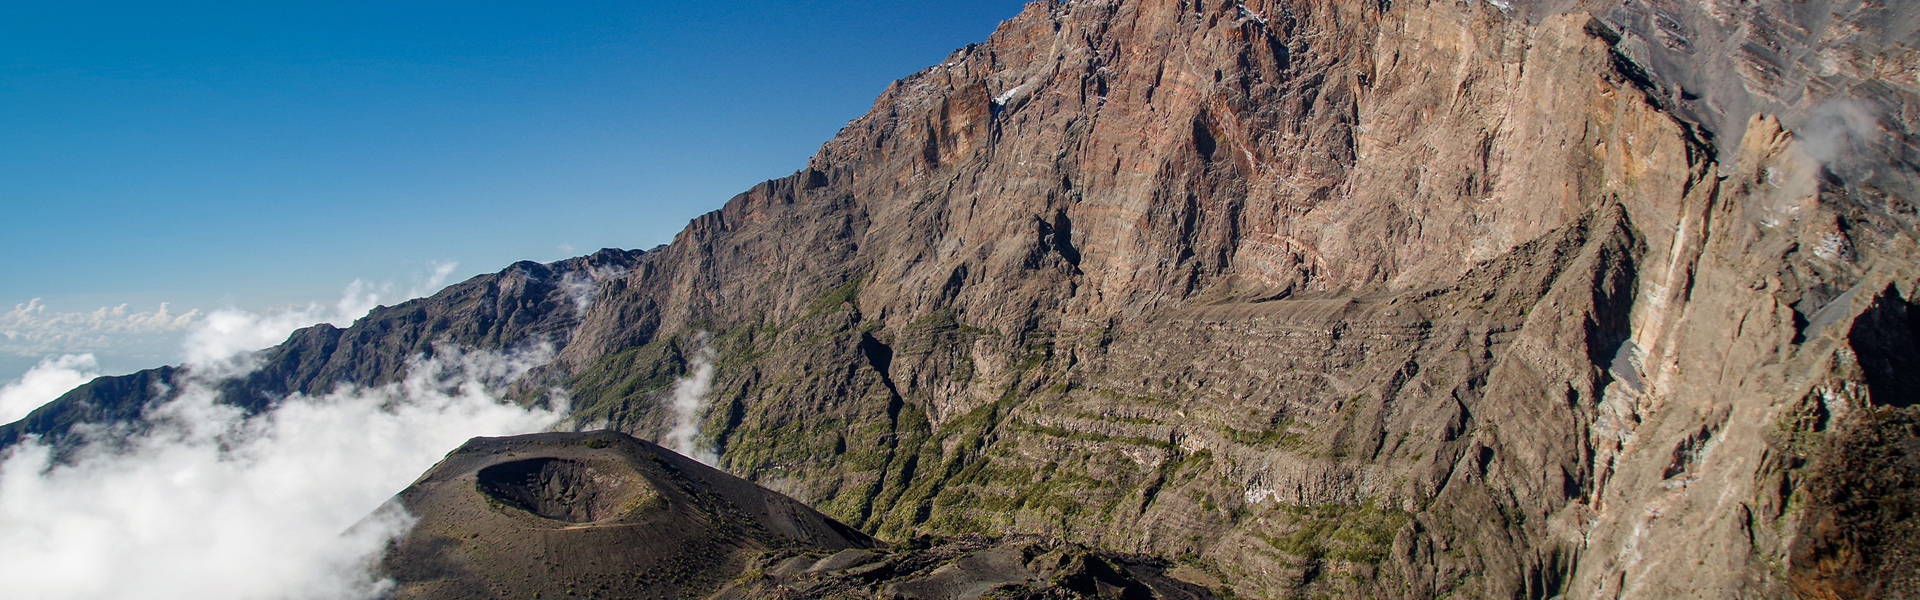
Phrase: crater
pixel 557 488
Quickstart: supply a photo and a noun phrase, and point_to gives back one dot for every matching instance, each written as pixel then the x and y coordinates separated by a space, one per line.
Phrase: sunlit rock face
pixel 1384 300
pixel 1363 299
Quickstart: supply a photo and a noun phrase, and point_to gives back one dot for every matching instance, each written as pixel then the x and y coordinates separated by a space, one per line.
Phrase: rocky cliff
pixel 1383 299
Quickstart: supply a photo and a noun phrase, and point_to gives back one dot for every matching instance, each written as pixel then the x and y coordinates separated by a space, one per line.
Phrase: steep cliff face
pixel 1385 300
pixel 1382 299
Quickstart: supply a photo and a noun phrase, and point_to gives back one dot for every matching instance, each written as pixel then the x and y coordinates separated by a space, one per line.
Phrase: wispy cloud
pixel 689 405
pixel 225 339
pixel 435 281
pixel 44 382
pixel 1837 137
pixel 31 329
pixel 202 501
pixel 583 288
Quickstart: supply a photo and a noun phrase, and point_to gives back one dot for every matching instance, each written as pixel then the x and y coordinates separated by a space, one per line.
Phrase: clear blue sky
pixel 254 154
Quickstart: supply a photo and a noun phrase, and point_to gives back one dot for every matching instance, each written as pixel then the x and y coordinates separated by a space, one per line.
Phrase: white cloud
pixel 225 340
pixel 200 500
pixel 30 329
pixel 44 382
pixel 582 288
pixel 1832 137
pixel 434 282
pixel 206 502
pixel 690 407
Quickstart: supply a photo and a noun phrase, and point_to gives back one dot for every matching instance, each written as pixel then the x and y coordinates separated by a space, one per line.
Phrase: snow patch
pixel 1248 13
pixel 1256 495
pixel 1008 95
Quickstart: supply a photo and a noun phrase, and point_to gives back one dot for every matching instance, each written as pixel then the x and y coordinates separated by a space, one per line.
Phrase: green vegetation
pixel 793 443
pixel 1347 533
pixel 1119 419
pixel 1114 396
pixel 847 293
pixel 1092 437
pixel 1275 436
pixel 608 389
pixel 945 319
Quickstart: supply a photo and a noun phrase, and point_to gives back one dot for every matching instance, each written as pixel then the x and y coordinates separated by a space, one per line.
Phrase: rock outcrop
pixel 1362 299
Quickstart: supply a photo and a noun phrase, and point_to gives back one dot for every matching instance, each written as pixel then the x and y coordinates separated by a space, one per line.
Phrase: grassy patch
pixel 1276 436
pixel 607 389
pixel 1092 437
pixel 847 293
pixel 1119 419
pixel 1346 533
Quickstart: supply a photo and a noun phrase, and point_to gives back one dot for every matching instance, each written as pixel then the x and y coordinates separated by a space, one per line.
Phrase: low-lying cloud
pixel 1836 136
pixel 30 329
pixel 44 382
pixel 226 339
pixel 199 500
pixel 121 338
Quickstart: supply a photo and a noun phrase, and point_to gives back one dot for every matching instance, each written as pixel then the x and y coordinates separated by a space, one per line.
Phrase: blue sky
pixel 257 154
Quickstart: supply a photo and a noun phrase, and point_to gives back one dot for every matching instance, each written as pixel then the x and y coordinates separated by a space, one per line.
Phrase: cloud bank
pixel 44 382
pixel 202 501
pixel 30 329
pixel 226 339
pixel 218 344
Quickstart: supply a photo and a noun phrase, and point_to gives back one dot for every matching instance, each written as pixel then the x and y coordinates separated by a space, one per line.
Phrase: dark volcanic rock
pixel 598 514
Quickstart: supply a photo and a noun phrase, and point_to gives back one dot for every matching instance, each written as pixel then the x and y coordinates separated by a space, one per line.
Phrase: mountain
pixel 1355 299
